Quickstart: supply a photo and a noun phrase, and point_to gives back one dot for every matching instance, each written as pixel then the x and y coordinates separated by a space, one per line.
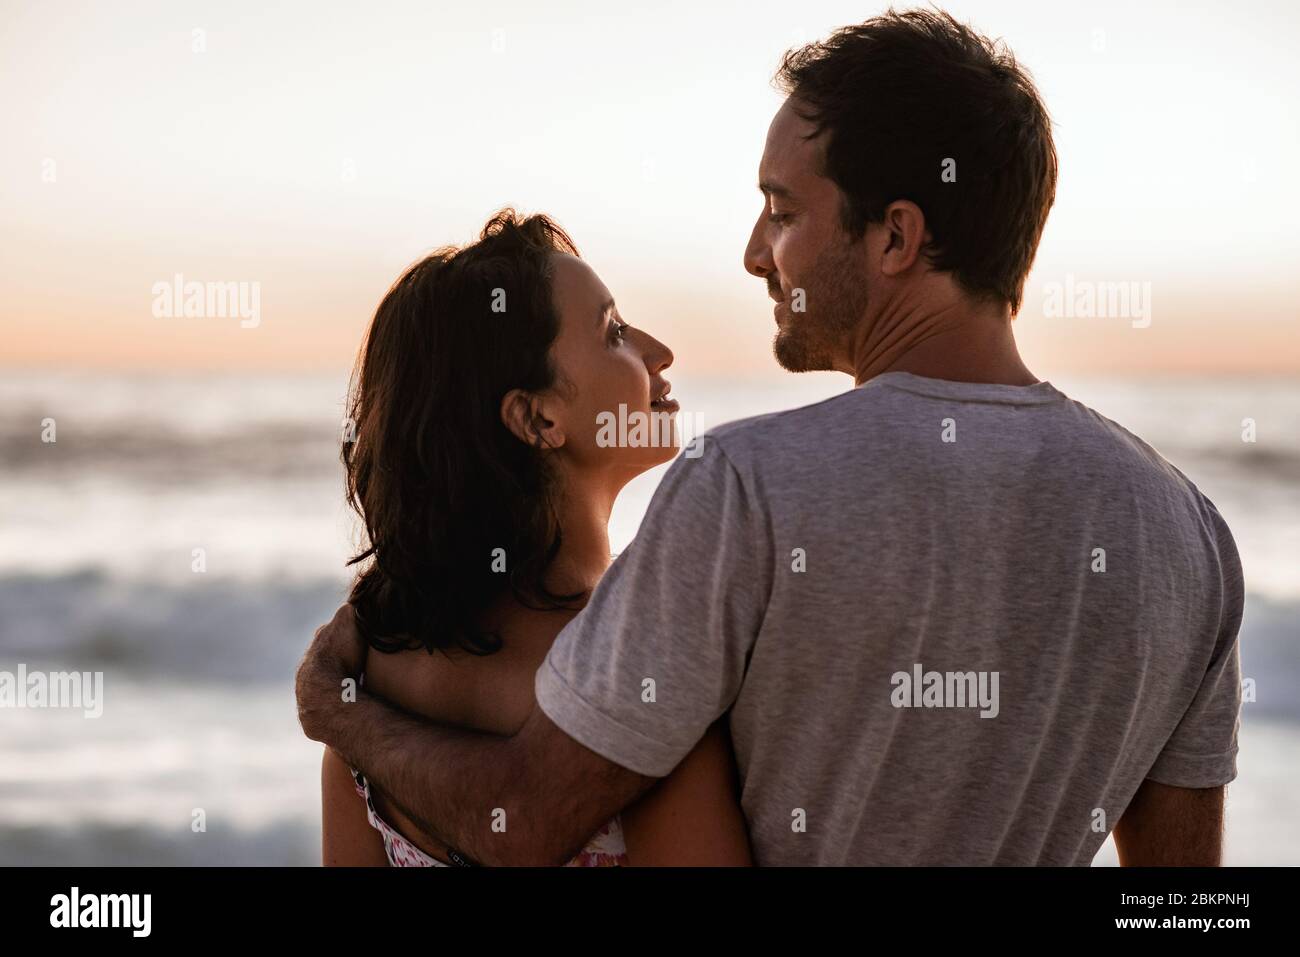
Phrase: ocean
pixel 152 477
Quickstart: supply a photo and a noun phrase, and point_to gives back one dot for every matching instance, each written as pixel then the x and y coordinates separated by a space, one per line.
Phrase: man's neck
pixel 956 341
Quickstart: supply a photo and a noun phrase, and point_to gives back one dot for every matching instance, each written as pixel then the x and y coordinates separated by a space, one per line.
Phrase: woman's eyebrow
pixel 605 308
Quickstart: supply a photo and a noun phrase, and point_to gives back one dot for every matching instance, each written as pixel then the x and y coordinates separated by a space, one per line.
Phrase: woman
pixel 486 484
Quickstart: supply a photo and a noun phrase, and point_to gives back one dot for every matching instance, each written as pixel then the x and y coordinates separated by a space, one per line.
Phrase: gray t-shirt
pixel 953 623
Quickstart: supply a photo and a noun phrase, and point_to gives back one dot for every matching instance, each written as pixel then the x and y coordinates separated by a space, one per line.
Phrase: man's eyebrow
pixel 768 188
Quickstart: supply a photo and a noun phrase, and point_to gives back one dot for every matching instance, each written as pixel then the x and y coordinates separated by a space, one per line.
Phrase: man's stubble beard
pixel 835 300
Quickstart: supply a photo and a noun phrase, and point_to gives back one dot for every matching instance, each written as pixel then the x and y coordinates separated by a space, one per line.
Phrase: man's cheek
pixel 779 264
pixel 786 257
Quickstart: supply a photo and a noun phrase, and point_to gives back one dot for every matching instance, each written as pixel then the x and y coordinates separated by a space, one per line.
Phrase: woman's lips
pixel 665 405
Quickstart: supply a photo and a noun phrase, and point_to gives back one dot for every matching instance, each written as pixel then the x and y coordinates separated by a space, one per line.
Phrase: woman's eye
pixel 618 329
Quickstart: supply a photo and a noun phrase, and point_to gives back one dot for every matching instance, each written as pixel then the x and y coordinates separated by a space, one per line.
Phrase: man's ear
pixel 524 414
pixel 905 237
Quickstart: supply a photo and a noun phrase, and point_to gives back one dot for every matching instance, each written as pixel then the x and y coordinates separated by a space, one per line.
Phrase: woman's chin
pixel 635 461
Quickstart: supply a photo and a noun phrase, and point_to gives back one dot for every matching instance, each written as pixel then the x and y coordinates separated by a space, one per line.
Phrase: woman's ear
pixel 524 414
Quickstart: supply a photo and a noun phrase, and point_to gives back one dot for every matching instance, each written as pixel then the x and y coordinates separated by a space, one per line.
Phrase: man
pixel 954 617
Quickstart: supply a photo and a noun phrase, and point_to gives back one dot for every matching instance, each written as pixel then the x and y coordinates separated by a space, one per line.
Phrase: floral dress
pixel 605 849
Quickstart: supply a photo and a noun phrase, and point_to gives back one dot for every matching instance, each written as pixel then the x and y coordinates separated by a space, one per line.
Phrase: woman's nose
pixel 657 355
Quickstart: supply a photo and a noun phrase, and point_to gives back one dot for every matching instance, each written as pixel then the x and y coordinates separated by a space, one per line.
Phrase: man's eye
pixel 778 218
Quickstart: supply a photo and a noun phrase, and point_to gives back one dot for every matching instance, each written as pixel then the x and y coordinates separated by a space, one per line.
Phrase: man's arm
pixel 1166 826
pixel 1176 816
pixel 554 792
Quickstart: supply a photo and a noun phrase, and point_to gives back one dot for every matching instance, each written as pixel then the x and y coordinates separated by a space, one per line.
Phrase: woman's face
pixel 610 402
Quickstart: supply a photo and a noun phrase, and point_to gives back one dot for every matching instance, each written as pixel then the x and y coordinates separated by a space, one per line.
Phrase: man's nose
pixel 758 254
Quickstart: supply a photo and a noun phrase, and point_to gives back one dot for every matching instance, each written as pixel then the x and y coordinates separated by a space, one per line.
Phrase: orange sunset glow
pixel 253 145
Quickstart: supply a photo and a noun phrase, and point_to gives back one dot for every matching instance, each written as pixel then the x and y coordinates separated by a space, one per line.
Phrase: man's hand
pixel 336 653
pixel 452 783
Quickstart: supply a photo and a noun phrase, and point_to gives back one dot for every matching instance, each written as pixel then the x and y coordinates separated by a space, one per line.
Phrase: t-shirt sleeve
pixel 660 651
pixel 1202 751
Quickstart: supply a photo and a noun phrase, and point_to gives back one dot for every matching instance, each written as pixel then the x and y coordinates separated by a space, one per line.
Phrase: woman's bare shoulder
pixel 491 693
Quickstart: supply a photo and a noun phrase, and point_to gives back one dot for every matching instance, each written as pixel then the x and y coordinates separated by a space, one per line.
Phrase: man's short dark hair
pixel 902 94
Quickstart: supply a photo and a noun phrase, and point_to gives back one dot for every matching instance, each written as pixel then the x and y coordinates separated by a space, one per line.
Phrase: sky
pixel 316 149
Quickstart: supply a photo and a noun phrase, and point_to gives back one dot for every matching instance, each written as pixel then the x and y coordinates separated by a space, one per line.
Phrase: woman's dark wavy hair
pixel 435 475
